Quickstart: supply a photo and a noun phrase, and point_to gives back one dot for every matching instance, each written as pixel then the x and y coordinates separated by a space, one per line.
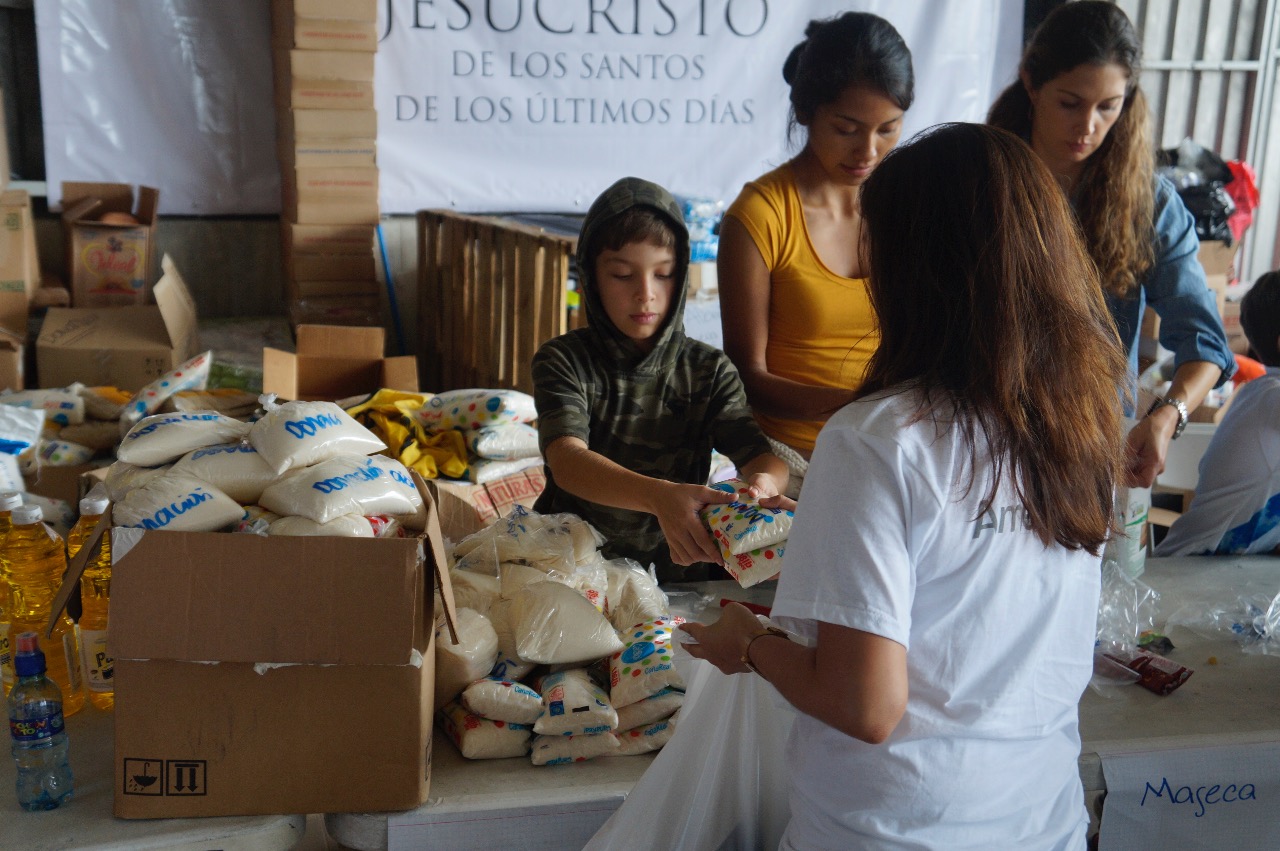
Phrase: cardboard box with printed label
pixel 467 508
pixel 323 196
pixel 334 362
pixel 328 239
pixel 126 347
pixel 19 264
pixel 258 675
pixel 330 79
pixel 109 262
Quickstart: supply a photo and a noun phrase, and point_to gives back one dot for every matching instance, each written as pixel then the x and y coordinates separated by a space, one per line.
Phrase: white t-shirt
pixel 1236 508
pixel 999 634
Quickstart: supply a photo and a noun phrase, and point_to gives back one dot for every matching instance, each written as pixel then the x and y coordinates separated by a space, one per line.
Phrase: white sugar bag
pixel 503 700
pixel 122 478
pixel 483 738
pixel 346 484
pixel 508 665
pixel 653 708
pixel 513 577
pixel 179 504
pixel 473 591
pixel 459 665
pixel 650 737
pixel 299 434
pixel 644 666
pixel 554 624
pixel 473 409
pixel 63 407
pixel 504 442
pixel 573 705
pixel 562 750
pixel 234 468
pixel 163 438
pixel 346 526
pixel 633 594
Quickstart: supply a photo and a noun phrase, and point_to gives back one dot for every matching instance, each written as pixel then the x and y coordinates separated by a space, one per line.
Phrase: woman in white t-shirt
pixel 943 569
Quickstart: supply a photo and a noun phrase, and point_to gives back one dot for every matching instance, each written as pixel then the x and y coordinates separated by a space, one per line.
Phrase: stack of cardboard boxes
pixel 19 270
pixel 326 136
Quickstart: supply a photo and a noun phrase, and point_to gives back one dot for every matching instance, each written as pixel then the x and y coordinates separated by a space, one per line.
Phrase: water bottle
pixel 36 559
pixel 8 502
pixel 36 726
pixel 95 595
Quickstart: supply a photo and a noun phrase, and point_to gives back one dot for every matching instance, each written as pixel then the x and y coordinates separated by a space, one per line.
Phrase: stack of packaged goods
pixel 563 655
pixel 326 138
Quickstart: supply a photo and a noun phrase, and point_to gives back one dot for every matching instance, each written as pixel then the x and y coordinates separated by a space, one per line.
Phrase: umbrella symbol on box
pixel 145 780
pixel 141 776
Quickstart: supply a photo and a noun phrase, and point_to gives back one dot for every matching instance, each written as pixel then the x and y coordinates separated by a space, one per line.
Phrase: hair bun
pixel 793 62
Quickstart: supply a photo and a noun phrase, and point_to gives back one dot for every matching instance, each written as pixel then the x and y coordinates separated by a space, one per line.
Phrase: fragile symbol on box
pixel 158 777
pixel 143 777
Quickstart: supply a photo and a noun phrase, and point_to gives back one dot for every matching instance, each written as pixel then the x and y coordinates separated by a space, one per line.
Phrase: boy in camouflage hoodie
pixel 629 408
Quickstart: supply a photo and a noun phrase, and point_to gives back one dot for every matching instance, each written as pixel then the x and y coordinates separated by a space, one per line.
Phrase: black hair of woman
pixel 852 49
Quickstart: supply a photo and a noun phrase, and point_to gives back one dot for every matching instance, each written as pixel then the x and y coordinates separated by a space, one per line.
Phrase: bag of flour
pixel 236 469
pixel 554 624
pixel 573 705
pixel 346 484
pixel 346 526
pixel 299 434
pixel 503 700
pixel 122 478
pixel 163 438
pixel 483 738
pixel 178 504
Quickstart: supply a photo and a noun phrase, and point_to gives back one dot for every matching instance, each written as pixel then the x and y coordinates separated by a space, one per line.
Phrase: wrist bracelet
pixel 746 651
pixel 1178 405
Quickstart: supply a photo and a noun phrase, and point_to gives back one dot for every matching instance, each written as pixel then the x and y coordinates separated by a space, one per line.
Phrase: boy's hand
pixel 679 515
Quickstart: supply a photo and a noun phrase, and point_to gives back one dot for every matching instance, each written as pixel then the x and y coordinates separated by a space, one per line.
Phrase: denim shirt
pixel 1176 290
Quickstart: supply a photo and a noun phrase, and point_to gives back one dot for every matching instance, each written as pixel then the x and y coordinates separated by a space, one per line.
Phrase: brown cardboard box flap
pixel 176 306
pixel 326 340
pixel 247 598
pixel 78 201
pixel 334 362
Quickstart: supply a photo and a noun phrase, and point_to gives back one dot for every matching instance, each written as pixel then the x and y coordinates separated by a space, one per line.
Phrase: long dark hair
pixel 856 48
pixel 1116 201
pixel 981 283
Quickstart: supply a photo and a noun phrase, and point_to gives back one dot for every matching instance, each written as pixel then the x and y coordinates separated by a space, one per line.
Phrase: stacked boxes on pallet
pixel 327 135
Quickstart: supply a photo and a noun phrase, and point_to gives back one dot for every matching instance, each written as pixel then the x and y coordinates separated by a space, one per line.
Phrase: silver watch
pixel 1173 402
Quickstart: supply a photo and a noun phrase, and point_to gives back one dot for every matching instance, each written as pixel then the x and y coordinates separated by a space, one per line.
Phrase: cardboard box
pixel 358 309
pixel 328 239
pixel 331 289
pixel 1236 340
pixel 128 347
pixel 466 508
pixel 338 35
pixel 323 124
pixel 12 353
pixel 331 65
pixel 19 262
pixel 1218 260
pixel 320 692
pixel 334 362
pixel 65 483
pixel 109 264
pixel 332 153
pixel 331 267
pixel 4 147
pixel 332 196
pixel 345 10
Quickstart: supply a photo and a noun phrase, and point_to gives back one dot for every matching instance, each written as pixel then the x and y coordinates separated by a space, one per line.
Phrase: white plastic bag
pixel 165 438
pixel 344 526
pixel 505 442
pixel 178 504
pixel 122 478
pixel 721 782
pixel 299 434
pixel 503 700
pixel 459 665
pixel 555 625
pixel 483 738
pixel 234 468
pixel 473 409
pixel 345 484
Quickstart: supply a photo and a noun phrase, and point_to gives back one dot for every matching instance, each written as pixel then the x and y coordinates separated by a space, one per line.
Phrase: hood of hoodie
pixel 618 198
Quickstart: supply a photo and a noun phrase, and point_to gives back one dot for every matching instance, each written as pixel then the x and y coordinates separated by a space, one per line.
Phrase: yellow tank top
pixel 821 325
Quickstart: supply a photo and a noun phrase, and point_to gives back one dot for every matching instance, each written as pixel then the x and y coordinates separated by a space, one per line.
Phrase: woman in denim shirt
pixel 1079 105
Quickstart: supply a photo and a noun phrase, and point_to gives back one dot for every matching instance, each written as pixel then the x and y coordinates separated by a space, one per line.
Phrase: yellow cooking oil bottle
pixel 36 559
pixel 95 593
pixel 8 502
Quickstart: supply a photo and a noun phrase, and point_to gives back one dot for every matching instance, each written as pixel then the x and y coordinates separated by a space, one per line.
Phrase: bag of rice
pixel 653 708
pixel 475 408
pixel 633 595
pixel 178 504
pixel 299 434
pixel 573 705
pixel 234 468
pixel 503 700
pixel 482 471
pixel 504 442
pixel 346 484
pixel 554 624
pixel 508 665
pixel 643 667
pixel 345 526
pixel 459 665
pixel 644 739
pixel 481 738
pixel 473 590
pixel 751 538
pixel 164 438
pixel 562 750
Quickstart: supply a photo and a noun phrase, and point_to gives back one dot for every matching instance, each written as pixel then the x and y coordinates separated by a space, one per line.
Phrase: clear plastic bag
pixel 721 782
pixel 1251 620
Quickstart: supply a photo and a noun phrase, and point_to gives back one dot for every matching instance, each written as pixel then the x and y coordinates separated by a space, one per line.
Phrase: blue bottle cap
pixel 29 658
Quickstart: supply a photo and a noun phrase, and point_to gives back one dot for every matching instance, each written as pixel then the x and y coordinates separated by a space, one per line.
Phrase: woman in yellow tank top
pixel 797 320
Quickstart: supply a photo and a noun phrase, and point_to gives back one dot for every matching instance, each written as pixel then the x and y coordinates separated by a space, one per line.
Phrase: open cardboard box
pixel 126 347
pixel 19 264
pixel 258 675
pixel 334 362
pixel 466 508
pixel 109 264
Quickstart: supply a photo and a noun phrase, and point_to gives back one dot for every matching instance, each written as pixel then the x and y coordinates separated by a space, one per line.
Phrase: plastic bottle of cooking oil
pixel 36 558
pixel 8 501
pixel 95 593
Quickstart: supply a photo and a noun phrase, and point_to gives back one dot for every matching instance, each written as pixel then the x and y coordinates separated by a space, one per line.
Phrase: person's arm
pixel 745 290
pixel 852 680
pixel 591 476
pixel 1149 439
pixel 767 476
